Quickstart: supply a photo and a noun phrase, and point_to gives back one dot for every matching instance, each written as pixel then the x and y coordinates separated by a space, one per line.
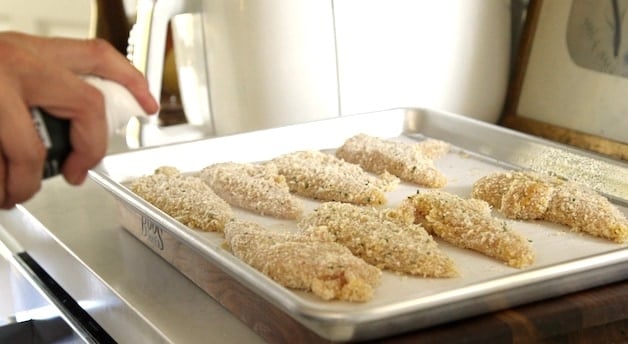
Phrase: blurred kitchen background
pixel 66 18
pixel 306 61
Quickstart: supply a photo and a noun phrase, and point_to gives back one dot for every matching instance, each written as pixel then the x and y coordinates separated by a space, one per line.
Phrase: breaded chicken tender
pixel 469 224
pixel 186 198
pixel 256 187
pixel 411 162
pixel 533 196
pixel 379 238
pixel 327 269
pixel 322 176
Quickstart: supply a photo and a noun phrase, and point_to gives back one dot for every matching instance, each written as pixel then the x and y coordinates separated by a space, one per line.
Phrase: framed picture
pixel 570 80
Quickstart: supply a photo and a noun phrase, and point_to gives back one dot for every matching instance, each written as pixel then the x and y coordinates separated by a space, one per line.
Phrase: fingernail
pixel 75 178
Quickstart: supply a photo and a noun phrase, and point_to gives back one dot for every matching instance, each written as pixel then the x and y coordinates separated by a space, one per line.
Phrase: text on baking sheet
pixel 152 232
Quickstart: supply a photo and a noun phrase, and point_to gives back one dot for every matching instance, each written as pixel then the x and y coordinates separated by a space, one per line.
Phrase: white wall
pixel 67 18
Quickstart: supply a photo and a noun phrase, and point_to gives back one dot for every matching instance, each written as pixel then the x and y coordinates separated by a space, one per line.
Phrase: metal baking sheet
pixel 565 262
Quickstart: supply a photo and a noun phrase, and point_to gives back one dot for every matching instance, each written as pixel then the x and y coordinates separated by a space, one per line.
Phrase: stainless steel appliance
pixel 246 65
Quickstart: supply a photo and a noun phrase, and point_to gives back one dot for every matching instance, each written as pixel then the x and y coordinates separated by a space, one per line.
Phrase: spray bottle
pixel 120 106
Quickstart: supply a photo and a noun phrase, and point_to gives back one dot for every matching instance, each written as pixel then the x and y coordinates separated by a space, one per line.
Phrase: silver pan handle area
pixel 146 50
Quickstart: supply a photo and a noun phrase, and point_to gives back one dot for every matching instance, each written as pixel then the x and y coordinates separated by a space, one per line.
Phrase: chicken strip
pixel 532 196
pixel 379 238
pixel 327 269
pixel 468 224
pixel 411 162
pixel 322 176
pixel 186 198
pixel 256 187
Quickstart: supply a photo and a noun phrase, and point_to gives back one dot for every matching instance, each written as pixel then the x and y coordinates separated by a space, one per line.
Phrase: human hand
pixel 46 73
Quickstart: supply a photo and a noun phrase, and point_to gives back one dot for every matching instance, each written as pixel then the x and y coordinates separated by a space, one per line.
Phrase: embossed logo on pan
pixel 152 232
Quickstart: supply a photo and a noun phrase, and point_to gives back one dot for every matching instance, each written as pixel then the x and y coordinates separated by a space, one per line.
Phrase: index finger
pixel 98 57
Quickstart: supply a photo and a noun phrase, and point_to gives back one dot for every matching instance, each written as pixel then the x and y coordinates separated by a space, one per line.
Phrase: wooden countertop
pixel 598 315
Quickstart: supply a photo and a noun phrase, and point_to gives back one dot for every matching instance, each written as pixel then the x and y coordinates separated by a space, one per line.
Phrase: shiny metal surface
pixel 25 312
pixel 516 149
pixel 37 282
pixel 132 293
pixel 566 263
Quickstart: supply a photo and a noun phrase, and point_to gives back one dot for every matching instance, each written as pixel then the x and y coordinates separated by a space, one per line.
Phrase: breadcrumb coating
pixel 379 238
pixel 532 196
pixel 327 269
pixel 322 176
pixel 256 187
pixel 469 224
pixel 186 198
pixel 411 162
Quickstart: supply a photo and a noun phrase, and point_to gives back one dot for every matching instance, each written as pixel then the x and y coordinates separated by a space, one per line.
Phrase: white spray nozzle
pixel 120 104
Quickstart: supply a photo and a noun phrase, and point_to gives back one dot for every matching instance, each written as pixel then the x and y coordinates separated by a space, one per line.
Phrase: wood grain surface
pixel 598 315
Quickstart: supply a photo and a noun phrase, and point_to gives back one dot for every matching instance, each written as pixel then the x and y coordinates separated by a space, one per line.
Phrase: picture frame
pixel 570 76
